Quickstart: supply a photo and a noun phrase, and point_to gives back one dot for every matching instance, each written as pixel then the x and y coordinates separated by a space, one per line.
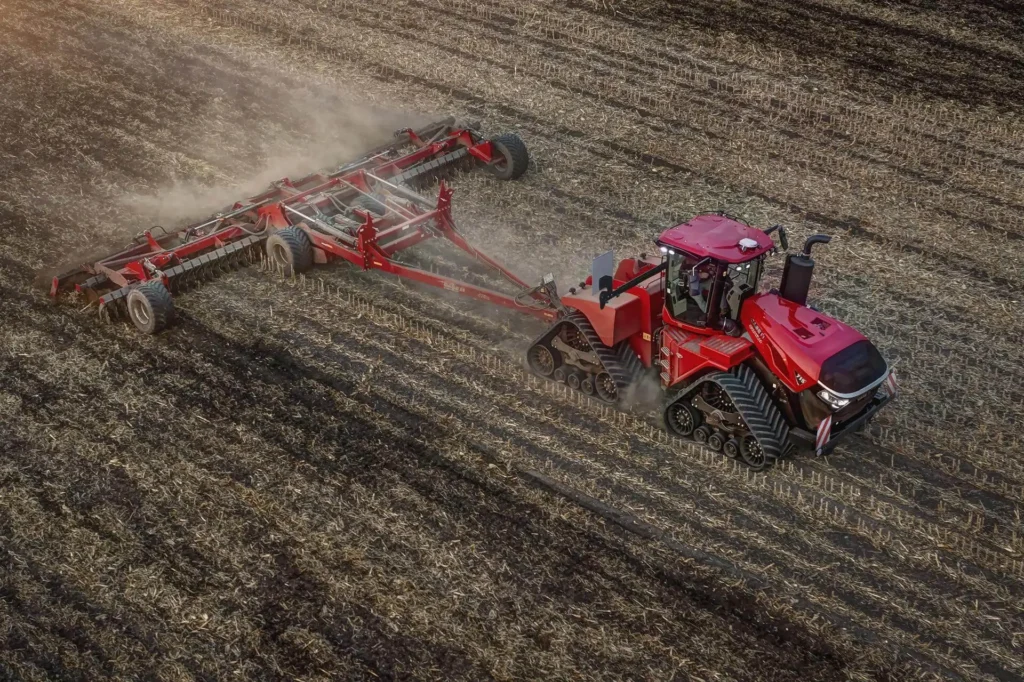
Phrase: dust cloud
pixel 307 130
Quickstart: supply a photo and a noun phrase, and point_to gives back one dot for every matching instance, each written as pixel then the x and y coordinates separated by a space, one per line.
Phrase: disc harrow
pixel 365 211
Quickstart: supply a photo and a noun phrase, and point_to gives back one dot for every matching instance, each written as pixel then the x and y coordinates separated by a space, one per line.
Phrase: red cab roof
pixel 716 237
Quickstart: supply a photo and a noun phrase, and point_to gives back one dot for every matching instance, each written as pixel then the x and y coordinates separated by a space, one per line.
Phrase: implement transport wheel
pixel 681 419
pixel 542 360
pixel 290 251
pixel 150 307
pixel 752 454
pixel 511 157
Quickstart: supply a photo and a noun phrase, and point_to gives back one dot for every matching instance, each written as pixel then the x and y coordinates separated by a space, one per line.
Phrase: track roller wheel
pixel 511 157
pixel 752 454
pixel 587 386
pixel 605 388
pixel 150 307
pixel 716 442
pixel 290 251
pixel 559 374
pixel 542 360
pixel 702 433
pixel 574 380
pixel 681 419
pixel 731 448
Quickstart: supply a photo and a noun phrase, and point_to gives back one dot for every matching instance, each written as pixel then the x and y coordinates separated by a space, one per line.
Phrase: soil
pixel 345 477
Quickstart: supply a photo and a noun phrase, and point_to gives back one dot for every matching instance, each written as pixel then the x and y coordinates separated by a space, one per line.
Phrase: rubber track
pixel 620 362
pixel 754 404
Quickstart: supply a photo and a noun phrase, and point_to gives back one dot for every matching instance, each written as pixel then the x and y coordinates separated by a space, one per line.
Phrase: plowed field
pixel 344 477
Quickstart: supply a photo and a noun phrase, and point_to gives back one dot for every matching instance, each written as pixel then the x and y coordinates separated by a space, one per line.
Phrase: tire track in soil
pixel 730 67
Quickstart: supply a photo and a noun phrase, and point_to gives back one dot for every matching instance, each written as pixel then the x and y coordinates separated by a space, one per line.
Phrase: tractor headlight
pixel 832 400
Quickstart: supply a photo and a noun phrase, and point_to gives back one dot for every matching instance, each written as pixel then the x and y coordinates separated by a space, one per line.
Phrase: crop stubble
pixel 278 488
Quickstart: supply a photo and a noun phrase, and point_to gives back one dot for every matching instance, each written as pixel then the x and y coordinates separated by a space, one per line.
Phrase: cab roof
pixel 716 237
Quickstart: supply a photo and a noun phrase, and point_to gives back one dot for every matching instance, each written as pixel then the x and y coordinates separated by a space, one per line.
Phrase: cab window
pixel 690 307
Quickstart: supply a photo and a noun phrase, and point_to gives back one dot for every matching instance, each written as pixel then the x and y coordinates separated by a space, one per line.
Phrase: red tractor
pixel 745 373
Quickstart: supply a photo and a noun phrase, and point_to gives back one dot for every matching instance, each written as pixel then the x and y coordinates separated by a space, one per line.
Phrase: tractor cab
pixel 714 263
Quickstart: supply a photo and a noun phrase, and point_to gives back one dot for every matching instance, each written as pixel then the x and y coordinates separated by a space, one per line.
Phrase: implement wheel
pixel 290 251
pixel 511 159
pixel 150 307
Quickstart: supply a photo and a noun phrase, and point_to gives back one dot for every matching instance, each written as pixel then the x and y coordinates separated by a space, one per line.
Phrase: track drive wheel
pixel 150 307
pixel 511 157
pixel 290 251
pixel 605 388
pixel 752 454
pixel 542 360
pixel 681 419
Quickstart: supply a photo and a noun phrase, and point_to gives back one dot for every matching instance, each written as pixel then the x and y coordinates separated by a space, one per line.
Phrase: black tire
pixel 290 250
pixel 150 307
pixel 681 419
pixel 512 158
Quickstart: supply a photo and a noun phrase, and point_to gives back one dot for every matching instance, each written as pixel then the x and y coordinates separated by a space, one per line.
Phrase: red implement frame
pixel 405 224
pixel 236 235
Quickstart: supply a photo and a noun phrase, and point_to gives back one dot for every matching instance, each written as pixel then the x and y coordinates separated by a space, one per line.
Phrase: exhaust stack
pixel 796 276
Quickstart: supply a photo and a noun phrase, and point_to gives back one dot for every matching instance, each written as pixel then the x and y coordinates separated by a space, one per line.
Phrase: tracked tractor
pixel 747 373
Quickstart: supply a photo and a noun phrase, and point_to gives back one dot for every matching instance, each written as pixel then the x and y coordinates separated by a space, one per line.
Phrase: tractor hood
pixel 804 347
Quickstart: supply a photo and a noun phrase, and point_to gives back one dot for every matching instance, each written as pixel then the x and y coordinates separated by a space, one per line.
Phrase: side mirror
pixel 783 239
pixel 694 281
